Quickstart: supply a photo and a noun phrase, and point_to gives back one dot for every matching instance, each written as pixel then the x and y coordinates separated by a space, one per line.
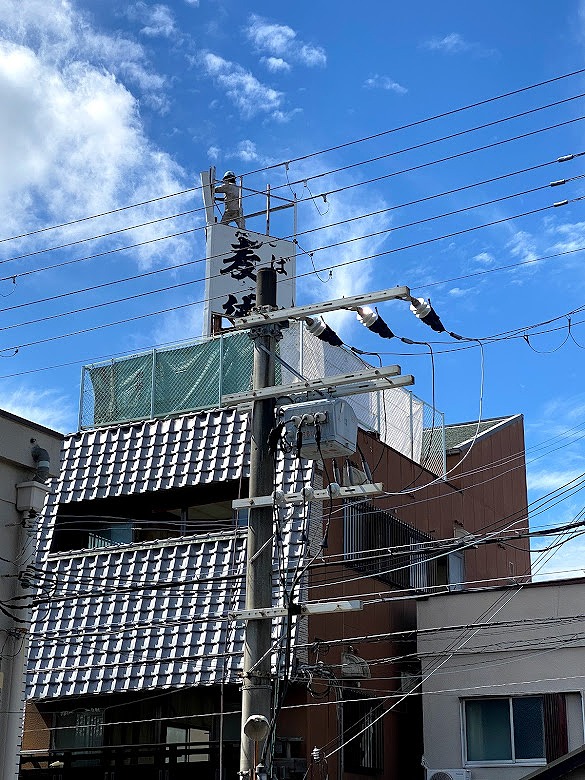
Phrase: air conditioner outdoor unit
pixel 448 774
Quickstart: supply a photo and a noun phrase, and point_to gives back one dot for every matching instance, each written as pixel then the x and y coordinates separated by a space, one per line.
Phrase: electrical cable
pixel 347 144
pixel 90 329
pixel 425 677
pixel 420 122
pixel 182 284
pixel 340 189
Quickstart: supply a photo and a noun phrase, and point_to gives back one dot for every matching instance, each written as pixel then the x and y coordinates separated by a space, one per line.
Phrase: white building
pixel 503 673
pixel 29 453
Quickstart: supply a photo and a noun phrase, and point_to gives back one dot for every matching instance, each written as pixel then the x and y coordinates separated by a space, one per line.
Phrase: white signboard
pixel 233 259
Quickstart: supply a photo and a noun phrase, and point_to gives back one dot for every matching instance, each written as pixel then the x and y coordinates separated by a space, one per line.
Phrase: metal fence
pixel 193 376
pixel 377 543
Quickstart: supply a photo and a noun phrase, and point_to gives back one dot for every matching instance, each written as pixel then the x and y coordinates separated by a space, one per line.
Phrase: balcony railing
pixel 146 762
pixel 126 762
pixel 193 376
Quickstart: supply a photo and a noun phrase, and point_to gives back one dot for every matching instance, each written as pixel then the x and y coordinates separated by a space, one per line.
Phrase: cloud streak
pixel 454 43
pixel 282 44
pixel 385 83
pixel 245 91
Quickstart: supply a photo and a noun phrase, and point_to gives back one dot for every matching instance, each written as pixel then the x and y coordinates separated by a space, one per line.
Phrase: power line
pixel 135 318
pixel 419 122
pixel 302 233
pixel 363 139
pixel 182 284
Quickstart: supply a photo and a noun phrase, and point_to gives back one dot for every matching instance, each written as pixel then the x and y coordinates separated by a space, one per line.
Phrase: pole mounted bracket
pixel 280 498
pixel 268 330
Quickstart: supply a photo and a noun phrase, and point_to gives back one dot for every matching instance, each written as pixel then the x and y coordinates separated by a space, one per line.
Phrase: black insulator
pixel 331 337
pixel 380 327
pixel 433 321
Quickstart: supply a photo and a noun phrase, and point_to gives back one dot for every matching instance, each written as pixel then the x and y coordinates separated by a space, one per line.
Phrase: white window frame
pixel 498 762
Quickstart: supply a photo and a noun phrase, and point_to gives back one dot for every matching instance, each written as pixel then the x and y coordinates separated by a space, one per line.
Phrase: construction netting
pixel 194 376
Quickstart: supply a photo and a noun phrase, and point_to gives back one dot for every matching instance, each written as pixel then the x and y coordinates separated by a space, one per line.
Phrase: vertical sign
pixel 233 259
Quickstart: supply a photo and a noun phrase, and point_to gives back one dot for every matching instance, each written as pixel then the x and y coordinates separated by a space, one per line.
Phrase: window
pixel 81 731
pixel 378 543
pixel 196 739
pixel 78 729
pixel 505 730
pixel 451 570
pixel 364 753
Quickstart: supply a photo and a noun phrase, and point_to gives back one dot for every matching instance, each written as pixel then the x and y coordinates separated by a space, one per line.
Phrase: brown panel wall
pixel 486 493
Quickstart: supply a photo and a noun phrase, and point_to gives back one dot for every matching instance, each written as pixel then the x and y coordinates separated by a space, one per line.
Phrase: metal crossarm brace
pixel 301 312
pixel 327 383
pixel 317 608
pixel 353 491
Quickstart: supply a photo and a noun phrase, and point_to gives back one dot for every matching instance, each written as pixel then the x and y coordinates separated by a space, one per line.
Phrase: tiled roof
pixel 459 434
pixel 138 616
pixel 153 455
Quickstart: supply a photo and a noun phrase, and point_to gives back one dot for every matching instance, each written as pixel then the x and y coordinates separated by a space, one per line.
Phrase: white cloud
pixel 280 41
pixel 571 236
pixel 312 56
pixel 286 116
pixel 213 152
pixel 523 246
pixel 47 407
pixel 450 44
pixel 242 88
pixel 385 82
pixel 158 19
pixel 566 562
pixel 246 151
pixel 275 64
pixel 73 128
pixel 547 480
pixel 457 292
pixel 57 33
pixel 274 38
pixel 484 258
pixel 194 3
pixel 453 43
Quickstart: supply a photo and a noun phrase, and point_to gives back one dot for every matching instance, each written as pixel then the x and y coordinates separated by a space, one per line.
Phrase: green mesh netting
pixel 184 379
pixel 188 378
pixel 122 389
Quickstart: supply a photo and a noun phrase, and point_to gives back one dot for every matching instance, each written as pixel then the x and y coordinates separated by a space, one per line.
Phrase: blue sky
pixel 110 104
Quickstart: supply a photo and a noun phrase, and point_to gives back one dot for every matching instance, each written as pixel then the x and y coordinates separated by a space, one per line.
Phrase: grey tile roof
pixel 154 455
pixel 460 434
pixel 138 616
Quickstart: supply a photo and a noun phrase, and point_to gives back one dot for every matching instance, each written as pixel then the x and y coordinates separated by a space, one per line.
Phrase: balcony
pixel 126 762
pixel 148 762
pixel 194 375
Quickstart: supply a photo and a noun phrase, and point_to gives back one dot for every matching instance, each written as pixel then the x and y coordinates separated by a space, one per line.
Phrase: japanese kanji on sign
pixel 233 259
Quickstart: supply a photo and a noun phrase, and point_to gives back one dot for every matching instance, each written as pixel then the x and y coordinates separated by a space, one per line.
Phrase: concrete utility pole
pixel 257 685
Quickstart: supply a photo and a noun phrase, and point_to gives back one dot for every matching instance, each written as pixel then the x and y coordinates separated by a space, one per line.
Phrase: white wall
pixel 17 546
pixel 503 642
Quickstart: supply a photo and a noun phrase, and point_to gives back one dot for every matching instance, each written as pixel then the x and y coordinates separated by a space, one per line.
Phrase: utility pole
pixel 257 682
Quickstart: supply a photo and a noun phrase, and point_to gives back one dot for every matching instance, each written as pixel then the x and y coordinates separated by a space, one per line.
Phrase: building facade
pixel 22 493
pixel 502 672
pixel 135 664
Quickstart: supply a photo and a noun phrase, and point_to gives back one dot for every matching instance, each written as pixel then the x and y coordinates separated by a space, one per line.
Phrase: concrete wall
pixel 502 642
pixel 17 545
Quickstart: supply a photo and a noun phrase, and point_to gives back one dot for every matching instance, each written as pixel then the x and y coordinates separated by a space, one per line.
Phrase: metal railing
pixel 193 376
pixel 377 543
pixel 122 762
pixel 145 762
